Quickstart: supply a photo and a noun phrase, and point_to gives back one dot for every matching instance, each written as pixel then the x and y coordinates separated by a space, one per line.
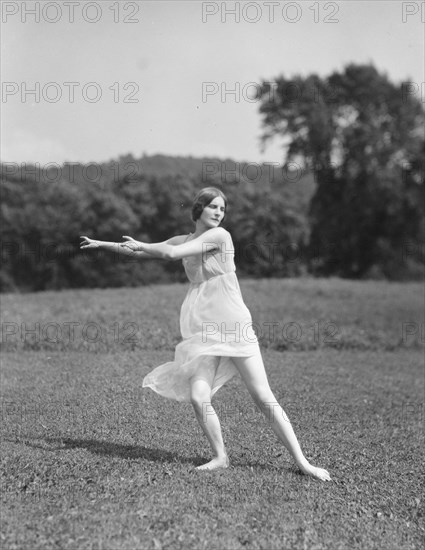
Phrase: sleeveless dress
pixel 215 325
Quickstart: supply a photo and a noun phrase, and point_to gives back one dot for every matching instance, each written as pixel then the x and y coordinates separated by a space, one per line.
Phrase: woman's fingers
pixel 85 242
pixel 128 238
pixel 88 243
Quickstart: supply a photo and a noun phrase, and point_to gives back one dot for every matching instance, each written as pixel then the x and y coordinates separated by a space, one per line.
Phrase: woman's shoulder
pixel 178 239
pixel 226 235
pixel 219 231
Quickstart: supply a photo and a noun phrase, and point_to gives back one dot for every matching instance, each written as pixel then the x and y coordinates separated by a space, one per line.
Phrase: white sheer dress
pixel 215 325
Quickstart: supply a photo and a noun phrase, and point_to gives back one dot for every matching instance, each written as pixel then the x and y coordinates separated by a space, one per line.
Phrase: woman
pixel 216 326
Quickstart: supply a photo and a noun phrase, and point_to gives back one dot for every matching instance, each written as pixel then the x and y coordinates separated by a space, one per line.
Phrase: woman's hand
pixel 132 244
pixel 89 243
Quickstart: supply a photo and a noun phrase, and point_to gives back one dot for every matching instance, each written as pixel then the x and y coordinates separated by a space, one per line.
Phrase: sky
pixel 113 78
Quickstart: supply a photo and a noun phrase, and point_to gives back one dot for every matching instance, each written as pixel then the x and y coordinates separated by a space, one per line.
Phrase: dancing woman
pixel 216 326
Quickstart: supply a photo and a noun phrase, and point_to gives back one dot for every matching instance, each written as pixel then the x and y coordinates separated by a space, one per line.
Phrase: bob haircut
pixel 203 198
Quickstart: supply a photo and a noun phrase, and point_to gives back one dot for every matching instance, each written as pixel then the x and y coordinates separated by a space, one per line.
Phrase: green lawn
pixel 90 460
pixel 307 314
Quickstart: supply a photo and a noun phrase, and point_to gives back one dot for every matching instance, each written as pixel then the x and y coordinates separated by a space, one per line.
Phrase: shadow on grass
pixel 108 448
pixel 102 447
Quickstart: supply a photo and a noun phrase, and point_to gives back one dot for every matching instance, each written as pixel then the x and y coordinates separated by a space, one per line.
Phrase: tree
pixel 361 135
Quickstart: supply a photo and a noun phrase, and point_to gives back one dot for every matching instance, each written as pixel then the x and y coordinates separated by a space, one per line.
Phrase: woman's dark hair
pixel 203 198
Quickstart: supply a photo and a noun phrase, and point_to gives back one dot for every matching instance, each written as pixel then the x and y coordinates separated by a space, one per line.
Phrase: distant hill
pixel 297 187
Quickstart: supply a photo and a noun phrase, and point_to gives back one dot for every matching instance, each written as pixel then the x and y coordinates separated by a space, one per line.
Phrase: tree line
pixel 347 202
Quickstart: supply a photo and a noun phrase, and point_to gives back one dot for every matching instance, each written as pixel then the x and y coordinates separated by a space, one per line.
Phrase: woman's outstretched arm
pixel 176 250
pixel 118 248
pixel 93 244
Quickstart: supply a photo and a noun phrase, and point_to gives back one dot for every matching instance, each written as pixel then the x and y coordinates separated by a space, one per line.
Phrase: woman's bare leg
pixel 210 424
pixel 254 375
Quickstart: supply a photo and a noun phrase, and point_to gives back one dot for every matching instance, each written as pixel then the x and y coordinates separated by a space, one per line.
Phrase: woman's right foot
pixel 215 463
pixel 314 471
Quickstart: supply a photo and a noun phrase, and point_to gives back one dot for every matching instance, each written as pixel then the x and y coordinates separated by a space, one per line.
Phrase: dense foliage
pixel 365 138
pixel 44 214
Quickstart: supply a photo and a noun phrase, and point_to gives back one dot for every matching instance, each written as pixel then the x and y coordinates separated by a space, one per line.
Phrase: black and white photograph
pixel 212 275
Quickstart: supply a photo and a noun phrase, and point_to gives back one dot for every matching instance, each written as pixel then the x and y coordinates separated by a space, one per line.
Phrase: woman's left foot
pixel 215 463
pixel 314 471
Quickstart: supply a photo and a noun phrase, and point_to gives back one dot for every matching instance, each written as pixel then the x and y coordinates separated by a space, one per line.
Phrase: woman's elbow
pixel 170 254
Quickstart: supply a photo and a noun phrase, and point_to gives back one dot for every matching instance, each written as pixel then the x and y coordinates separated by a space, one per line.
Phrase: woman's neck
pixel 199 230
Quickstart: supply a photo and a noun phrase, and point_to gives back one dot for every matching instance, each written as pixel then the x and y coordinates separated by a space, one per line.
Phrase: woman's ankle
pixel 221 455
pixel 302 463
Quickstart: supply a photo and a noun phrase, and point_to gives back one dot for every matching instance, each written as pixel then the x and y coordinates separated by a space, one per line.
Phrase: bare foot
pixel 316 472
pixel 218 462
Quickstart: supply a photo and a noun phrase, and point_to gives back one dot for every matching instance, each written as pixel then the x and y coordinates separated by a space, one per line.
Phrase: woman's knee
pixel 200 402
pixel 200 394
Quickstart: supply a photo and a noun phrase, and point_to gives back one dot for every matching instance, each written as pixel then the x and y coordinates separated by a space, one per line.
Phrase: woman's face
pixel 213 213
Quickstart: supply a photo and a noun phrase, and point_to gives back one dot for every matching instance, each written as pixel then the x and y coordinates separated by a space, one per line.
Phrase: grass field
pixel 89 460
